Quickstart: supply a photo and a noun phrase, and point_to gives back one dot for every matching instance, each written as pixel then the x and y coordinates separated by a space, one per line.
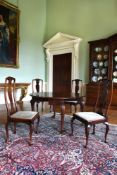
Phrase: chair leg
pixel 93 129
pixel 50 108
pixel 38 120
pixel 72 120
pixel 30 133
pixel 54 111
pixel 37 107
pixel 14 127
pixel 87 128
pixel 107 129
pixel 7 133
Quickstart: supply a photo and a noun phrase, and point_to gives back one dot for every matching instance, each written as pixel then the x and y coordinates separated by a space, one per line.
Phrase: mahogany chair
pixel 77 87
pixel 15 116
pixel 37 86
pixel 100 112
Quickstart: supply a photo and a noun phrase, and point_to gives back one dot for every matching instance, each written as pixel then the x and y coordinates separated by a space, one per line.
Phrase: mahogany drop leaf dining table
pixel 57 99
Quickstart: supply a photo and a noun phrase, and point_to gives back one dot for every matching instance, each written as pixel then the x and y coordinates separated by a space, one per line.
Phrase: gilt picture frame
pixel 9 35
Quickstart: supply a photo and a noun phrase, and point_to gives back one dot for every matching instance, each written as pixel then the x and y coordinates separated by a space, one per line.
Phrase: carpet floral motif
pixel 56 154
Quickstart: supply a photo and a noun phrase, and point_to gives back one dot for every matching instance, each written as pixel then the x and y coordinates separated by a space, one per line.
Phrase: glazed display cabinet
pixel 102 64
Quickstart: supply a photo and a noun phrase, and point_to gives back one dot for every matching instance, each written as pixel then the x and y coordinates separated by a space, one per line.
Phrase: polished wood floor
pixel 26 106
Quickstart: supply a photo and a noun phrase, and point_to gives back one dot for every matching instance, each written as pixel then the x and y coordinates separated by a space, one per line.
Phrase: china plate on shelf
pixel 115 50
pixel 106 48
pixel 95 64
pixel 100 78
pixel 115 58
pixel 98 49
pixel 99 57
pixel 106 64
pixel 115 66
pixel 97 71
pixel 115 73
pixel 105 57
pixel 100 63
pixel 94 79
pixel 115 80
pixel 104 71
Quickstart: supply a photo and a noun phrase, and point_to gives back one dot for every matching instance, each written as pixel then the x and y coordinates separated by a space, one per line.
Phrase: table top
pixel 50 95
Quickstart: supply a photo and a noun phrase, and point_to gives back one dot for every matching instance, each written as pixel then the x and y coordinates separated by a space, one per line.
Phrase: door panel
pixel 62 74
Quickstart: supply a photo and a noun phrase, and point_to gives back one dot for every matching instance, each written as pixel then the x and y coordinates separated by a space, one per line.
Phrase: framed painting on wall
pixel 9 35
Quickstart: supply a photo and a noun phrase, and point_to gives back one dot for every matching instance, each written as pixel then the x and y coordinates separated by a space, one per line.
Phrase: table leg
pixel 53 116
pixel 52 107
pixel 81 106
pixel 62 117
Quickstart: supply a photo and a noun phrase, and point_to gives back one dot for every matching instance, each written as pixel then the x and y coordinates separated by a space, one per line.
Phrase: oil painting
pixel 9 35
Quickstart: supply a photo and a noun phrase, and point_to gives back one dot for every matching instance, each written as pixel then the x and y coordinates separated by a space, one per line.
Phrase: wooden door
pixel 62 74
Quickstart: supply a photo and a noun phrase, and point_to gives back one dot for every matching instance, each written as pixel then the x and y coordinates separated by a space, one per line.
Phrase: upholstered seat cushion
pixel 90 116
pixel 25 115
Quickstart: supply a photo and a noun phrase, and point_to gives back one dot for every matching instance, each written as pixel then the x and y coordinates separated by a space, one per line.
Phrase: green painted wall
pixel 32 32
pixel 87 19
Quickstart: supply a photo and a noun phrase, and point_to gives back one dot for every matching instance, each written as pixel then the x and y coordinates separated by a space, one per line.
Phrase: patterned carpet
pixel 56 154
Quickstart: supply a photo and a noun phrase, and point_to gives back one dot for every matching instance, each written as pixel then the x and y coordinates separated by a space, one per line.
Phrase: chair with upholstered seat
pixel 100 112
pixel 77 88
pixel 37 86
pixel 15 116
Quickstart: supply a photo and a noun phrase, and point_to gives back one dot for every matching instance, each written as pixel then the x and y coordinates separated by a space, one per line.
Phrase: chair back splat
pixel 37 85
pixel 77 84
pixel 77 89
pixel 104 98
pixel 10 96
